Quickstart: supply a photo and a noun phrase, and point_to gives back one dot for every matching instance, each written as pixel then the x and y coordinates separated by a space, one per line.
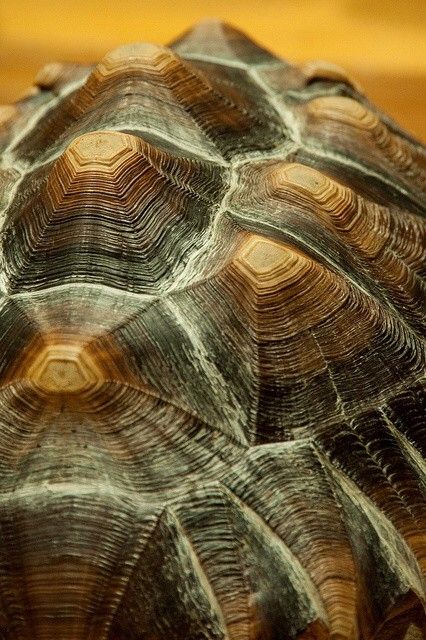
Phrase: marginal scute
pixel 7 113
pixel 322 70
pixel 55 76
pixel 168 554
pixel 50 74
pixel 300 506
pixel 344 110
pixel 311 181
pixel 47 77
pixel 212 352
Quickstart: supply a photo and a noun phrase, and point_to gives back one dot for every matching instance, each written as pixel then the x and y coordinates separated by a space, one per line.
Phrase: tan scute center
pixel 63 368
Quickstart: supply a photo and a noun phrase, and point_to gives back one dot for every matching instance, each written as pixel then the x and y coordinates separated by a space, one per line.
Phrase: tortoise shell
pixel 212 356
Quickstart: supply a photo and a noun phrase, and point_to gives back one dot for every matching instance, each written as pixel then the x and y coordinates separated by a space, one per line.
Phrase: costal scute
pixel 212 355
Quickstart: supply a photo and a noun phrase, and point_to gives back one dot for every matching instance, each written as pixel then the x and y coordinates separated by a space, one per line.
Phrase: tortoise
pixel 212 361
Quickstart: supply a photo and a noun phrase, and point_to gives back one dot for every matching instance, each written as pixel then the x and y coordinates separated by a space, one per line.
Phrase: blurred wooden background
pixel 382 43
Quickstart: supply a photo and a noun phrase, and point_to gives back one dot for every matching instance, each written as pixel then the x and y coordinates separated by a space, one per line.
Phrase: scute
pixel 212 352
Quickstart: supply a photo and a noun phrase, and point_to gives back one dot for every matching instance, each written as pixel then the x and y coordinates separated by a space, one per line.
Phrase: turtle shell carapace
pixel 212 352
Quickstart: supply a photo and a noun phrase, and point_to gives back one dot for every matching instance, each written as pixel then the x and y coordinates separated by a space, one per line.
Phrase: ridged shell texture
pixel 212 352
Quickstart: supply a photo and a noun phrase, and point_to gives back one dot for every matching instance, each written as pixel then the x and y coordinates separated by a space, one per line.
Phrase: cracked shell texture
pixel 212 352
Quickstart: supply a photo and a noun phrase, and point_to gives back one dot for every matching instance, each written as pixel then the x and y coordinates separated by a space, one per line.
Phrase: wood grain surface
pixel 382 43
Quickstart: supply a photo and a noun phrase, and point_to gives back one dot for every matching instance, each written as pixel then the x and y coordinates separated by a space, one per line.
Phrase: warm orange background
pixel 381 42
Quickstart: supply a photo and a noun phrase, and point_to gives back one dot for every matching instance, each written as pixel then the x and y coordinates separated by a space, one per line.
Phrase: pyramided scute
pixel 57 364
pixel 216 39
pixel 146 61
pixel 373 143
pixel 133 56
pixel 335 205
pixel 311 184
pixel 63 368
pixel 99 155
pixel 142 192
pixel 269 264
pixel 101 148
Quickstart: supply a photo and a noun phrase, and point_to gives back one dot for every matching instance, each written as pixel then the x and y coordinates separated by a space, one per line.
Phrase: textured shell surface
pixel 212 352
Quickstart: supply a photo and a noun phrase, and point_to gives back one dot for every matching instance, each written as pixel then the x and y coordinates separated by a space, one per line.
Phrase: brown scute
pixel 319 70
pixel 7 113
pixel 212 352
pixel 104 206
pixel 354 131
